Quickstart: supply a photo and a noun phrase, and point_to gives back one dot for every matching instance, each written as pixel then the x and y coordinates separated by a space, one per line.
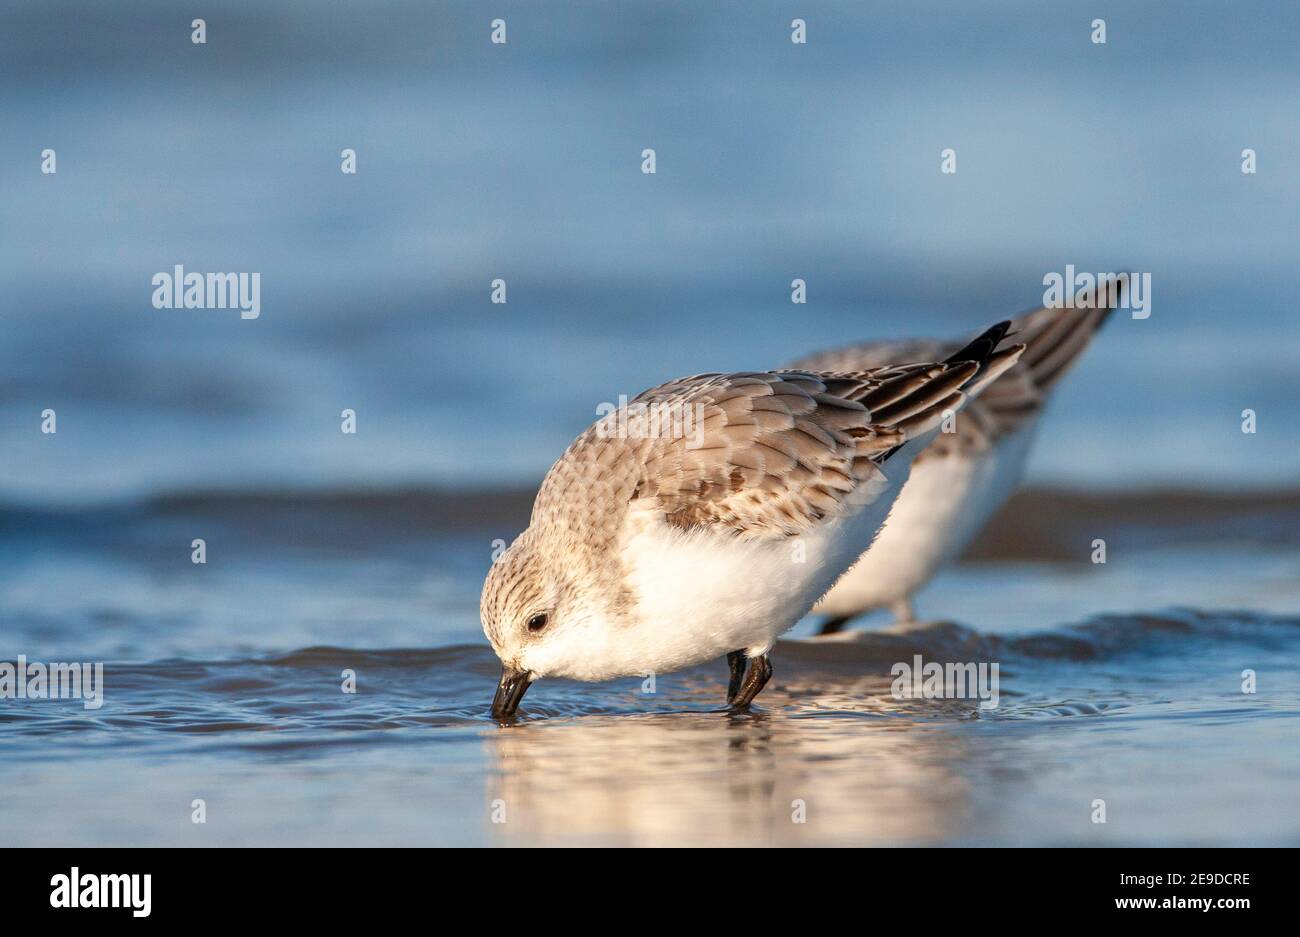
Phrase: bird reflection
pixel 810 769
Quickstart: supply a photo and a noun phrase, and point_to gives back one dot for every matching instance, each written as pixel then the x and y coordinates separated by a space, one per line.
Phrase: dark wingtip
pixel 982 347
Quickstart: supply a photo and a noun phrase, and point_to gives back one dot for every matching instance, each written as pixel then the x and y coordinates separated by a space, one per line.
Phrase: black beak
pixel 514 684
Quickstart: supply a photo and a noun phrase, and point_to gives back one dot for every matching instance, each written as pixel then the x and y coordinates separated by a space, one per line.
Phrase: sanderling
pixel 960 480
pixel 647 554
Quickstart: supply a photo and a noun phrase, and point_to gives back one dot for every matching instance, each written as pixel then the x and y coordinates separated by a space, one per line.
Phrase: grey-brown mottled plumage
pixel 776 453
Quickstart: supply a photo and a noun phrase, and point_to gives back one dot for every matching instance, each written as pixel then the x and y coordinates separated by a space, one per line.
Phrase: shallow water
pixel 223 683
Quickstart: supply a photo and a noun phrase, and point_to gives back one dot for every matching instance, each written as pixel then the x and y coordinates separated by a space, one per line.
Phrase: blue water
pixel 223 682
pixel 522 162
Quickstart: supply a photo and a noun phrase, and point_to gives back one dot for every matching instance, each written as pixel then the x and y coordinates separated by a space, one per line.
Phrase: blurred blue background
pixel 478 161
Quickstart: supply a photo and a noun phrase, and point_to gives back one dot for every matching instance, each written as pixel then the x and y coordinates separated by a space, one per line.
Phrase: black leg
pixel 760 671
pixel 736 661
pixel 835 625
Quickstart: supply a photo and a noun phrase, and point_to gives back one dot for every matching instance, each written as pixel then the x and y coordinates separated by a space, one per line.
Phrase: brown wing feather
pixel 775 452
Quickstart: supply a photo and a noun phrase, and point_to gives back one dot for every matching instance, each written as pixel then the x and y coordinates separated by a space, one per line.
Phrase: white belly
pixel 944 504
pixel 702 594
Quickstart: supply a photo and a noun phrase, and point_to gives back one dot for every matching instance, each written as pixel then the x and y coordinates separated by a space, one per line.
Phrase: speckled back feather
pixel 777 452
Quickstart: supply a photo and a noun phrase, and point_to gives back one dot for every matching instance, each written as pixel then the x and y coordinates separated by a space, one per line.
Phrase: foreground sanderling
pixel 653 553
pixel 957 483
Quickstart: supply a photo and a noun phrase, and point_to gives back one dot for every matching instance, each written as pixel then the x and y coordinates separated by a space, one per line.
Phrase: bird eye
pixel 537 623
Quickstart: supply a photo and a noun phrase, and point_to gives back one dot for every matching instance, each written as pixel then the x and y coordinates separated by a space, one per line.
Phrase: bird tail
pixel 915 402
pixel 1055 338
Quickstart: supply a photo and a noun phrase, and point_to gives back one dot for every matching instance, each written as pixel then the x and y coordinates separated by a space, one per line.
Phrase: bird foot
pixel 741 691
